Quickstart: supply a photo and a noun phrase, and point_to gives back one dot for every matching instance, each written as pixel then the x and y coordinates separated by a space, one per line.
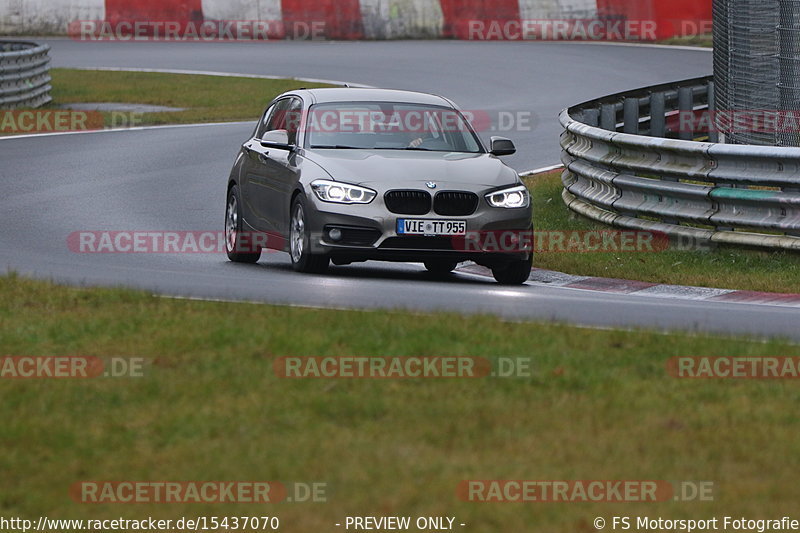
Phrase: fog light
pixel 335 235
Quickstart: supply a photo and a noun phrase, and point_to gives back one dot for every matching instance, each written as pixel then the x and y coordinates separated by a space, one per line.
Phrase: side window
pixel 274 118
pixel 283 115
pixel 293 117
pixel 264 122
pixel 277 121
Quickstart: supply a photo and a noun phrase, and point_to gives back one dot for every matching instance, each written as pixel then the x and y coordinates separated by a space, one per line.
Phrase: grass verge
pixel 727 268
pixel 598 406
pixel 204 98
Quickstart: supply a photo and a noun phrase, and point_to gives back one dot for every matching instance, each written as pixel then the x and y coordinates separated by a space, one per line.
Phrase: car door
pixel 284 172
pixel 250 179
pixel 268 172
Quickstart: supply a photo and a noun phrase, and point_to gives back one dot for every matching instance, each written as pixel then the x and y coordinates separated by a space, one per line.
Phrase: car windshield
pixel 389 126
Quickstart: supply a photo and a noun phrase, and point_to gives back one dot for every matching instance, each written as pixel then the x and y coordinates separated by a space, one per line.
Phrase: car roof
pixel 348 94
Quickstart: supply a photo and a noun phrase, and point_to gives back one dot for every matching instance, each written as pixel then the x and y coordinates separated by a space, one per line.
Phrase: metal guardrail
pixel 628 163
pixel 24 75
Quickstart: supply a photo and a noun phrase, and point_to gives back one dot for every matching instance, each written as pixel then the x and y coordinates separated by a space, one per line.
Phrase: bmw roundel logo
pixel 430 185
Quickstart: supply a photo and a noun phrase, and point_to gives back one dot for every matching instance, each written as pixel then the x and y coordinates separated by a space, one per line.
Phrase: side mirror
pixel 502 146
pixel 277 139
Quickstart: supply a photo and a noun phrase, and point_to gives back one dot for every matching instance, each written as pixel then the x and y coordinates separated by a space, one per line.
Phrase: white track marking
pixel 119 130
pixel 542 170
pixel 224 75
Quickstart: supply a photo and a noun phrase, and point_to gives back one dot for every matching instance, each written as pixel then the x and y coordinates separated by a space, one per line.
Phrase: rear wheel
pixel 236 243
pixel 514 272
pixel 300 243
pixel 440 267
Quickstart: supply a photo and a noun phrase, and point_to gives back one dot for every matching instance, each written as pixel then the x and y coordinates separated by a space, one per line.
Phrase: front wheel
pixel 515 272
pixel 235 240
pixel 300 243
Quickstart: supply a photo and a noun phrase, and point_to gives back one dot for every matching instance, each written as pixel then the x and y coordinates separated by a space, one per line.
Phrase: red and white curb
pixel 362 19
pixel 549 278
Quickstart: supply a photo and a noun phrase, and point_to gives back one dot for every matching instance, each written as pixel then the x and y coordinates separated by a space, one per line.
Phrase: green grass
pixel 205 98
pixel 599 406
pixel 771 271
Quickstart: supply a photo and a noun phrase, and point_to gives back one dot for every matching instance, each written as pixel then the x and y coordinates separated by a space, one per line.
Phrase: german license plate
pixel 431 228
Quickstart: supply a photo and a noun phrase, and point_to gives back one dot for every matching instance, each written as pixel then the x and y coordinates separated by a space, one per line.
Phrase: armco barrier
pixel 626 166
pixel 24 75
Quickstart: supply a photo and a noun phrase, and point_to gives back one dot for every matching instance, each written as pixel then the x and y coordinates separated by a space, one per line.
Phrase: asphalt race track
pixel 174 179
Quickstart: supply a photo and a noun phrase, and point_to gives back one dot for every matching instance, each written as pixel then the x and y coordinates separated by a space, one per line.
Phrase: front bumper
pixel 369 232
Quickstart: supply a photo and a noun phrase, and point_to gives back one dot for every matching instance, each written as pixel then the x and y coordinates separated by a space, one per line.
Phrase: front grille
pixel 408 202
pixel 455 204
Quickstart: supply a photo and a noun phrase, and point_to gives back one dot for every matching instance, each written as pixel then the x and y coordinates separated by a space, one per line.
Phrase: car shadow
pixel 376 270
pixel 405 272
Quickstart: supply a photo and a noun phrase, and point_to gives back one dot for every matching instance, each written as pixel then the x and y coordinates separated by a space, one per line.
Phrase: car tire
pixel 514 272
pixel 300 242
pixel 233 230
pixel 440 267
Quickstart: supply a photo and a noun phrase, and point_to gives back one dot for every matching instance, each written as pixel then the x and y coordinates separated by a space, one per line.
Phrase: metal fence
pixel 24 75
pixel 757 63
pixel 632 161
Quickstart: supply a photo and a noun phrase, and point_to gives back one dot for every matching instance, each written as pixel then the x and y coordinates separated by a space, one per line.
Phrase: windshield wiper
pixel 417 149
pixel 335 147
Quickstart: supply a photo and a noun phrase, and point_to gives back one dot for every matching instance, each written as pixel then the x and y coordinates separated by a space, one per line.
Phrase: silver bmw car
pixel 348 175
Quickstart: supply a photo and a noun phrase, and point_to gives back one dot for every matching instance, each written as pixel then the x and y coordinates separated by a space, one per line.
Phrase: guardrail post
pixel 592 117
pixel 685 104
pixel 713 134
pixel 658 126
pixel 631 116
pixel 608 117
pixel 792 190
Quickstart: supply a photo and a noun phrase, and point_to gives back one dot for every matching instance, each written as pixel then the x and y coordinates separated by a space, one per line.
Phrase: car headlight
pixel 342 193
pixel 513 198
